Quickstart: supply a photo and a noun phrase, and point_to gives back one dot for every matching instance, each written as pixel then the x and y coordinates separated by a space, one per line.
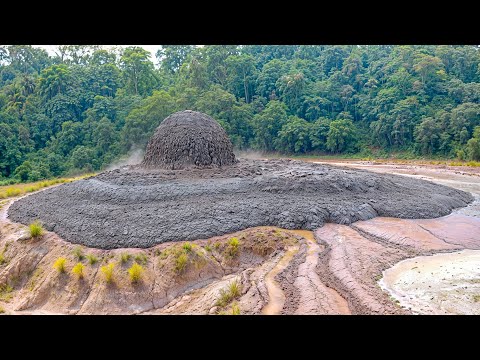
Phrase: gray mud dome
pixel 135 207
pixel 188 138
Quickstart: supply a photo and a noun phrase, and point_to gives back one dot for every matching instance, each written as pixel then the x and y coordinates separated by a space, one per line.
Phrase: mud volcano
pixel 183 191
pixel 189 138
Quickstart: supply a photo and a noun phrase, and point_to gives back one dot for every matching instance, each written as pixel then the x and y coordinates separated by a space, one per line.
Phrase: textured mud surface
pixel 438 284
pixel 135 207
pixel 189 138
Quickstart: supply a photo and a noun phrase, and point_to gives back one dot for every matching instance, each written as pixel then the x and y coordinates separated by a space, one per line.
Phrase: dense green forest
pixel 85 107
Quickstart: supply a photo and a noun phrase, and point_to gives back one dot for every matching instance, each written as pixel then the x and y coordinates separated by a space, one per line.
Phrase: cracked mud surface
pixel 134 207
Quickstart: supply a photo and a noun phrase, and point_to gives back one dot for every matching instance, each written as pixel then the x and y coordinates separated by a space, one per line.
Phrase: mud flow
pixel 136 207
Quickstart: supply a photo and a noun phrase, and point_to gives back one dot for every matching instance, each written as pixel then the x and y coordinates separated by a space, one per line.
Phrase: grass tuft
pixel 233 247
pixel 2 258
pixel 78 270
pixel 226 296
pixel 59 264
pixel 124 257
pixel 141 259
pixel 107 271
pixel 78 253
pixel 181 262
pixel 187 247
pixel 6 292
pixel 235 309
pixel 36 229
pixel 92 259
pixel 135 272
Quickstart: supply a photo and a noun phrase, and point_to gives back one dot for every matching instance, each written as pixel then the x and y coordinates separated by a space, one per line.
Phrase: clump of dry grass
pixel 78 253
pixel 36 229
pixel 226 296
pixel 78 270
pixel 92 259
pixel 107 271
pixel 233 247
pixel 181 262
pixel 141 259
pixel 6 292
pixel 125 257
pixel 135 272
pixel 59 265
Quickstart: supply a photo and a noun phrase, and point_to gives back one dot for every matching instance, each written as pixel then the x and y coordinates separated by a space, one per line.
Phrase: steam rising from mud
pixel 134 157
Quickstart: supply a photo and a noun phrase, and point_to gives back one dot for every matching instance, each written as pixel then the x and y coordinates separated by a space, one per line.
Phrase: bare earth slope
pixel 134 207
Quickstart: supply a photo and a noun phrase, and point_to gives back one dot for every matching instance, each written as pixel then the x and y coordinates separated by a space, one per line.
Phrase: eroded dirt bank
pixel 132 207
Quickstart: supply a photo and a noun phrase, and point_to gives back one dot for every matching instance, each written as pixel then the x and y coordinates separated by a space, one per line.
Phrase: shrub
pixel 107 271
pixel 59 264
pixel 187 247
pixel 124 257
pixel 78 270
pixel 181 262
pixel 135 272
pixel 36 229
pixel 92 259
pixel 78 253
pixel 142 259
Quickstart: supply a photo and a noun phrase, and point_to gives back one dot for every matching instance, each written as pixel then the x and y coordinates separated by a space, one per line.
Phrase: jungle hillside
pixel 86 107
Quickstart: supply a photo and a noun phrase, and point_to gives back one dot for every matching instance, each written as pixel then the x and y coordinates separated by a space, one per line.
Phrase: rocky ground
pixel 133 207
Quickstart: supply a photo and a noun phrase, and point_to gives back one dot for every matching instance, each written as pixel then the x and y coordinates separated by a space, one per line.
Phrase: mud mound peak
pixel 188 139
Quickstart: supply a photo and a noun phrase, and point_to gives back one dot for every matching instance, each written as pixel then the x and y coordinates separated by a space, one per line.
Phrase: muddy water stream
pixel 308 282
pixel 275 292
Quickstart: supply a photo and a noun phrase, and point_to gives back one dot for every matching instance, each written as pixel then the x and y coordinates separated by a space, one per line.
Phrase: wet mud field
pixel 135 207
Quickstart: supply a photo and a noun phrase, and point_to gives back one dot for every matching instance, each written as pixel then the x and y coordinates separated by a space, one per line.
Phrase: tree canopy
pixel 85 106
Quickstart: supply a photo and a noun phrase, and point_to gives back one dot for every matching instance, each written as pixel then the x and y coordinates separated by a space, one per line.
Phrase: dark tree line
pixel 85 106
